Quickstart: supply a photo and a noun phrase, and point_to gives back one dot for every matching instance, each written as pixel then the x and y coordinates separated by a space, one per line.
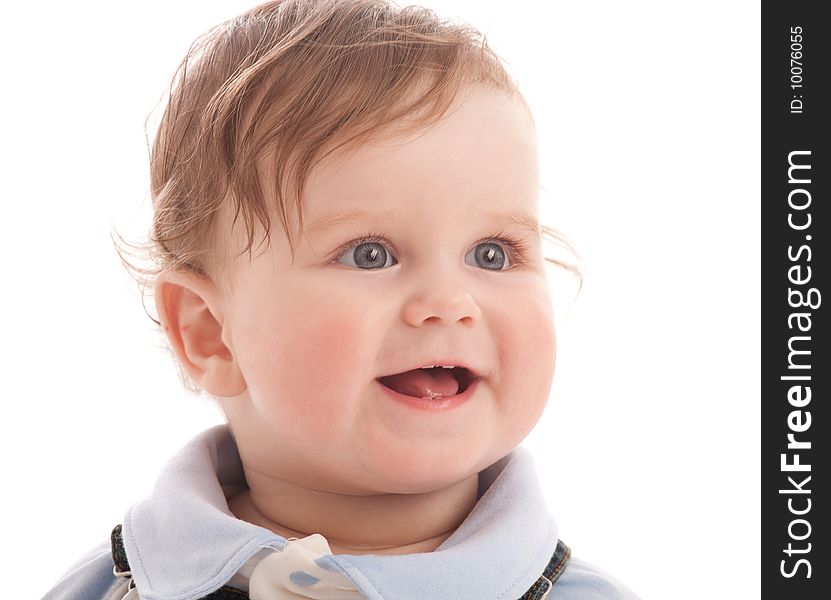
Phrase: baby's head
pixel 400 162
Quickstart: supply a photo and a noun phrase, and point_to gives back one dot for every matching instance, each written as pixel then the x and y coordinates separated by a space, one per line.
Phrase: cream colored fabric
pixel 293 574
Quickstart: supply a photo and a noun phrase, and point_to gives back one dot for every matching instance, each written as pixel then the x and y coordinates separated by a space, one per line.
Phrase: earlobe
pixel 190 316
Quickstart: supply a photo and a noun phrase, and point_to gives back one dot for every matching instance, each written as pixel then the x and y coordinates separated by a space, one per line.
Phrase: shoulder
pixel 583 581
pixel 91 578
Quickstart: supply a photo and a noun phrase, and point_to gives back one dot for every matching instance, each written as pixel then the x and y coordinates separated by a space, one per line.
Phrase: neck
pixel 376 524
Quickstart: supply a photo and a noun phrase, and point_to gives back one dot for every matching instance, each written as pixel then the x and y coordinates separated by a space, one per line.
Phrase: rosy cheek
pixel 531 314
pixel 323 354
pixel 340 335
pixel 541 339
pixel 530 354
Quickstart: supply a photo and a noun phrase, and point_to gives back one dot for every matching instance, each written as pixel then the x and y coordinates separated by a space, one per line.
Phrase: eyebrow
pixel 334 219
pixel 525 220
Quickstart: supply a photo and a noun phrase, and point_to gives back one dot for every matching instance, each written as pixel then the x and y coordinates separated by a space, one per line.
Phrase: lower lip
pixel 443 403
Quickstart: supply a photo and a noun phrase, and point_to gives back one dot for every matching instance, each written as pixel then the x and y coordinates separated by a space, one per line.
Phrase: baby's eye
pixel 366 253
pixel 489 255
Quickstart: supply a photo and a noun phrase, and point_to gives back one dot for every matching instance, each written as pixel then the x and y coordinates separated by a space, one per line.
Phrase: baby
pixel 380 353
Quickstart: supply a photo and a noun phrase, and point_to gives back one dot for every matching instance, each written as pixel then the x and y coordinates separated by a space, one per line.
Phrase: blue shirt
pixel 183 542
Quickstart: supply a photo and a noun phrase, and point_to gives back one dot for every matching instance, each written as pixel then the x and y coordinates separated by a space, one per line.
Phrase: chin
pixel 413 472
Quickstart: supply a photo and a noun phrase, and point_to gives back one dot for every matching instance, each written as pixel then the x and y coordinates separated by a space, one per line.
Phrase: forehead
pixel 481 156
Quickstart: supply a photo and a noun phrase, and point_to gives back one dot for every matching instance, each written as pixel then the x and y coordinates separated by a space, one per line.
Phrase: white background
pixel 648 116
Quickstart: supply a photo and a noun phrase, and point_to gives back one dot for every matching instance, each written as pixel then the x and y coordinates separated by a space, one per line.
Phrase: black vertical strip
pixel 796 361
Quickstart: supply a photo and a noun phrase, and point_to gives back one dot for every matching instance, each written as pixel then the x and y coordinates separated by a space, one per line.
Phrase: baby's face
pixel 439 284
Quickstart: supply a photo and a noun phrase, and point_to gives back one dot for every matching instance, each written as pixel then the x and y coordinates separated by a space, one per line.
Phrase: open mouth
pixel 430 382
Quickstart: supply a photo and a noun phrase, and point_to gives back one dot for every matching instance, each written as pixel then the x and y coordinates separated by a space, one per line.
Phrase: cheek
pixel 528 352
pixel 304 359
pixel 541 337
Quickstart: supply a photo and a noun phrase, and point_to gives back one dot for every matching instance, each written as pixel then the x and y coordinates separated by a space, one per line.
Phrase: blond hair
pixel 293 80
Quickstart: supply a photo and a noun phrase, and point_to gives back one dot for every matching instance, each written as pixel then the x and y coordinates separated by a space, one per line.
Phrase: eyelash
pixel 517 250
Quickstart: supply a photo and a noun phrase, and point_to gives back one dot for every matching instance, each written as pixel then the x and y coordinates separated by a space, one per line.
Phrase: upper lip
pixel 447 362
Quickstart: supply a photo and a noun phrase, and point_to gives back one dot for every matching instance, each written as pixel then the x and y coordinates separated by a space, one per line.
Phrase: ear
pixel 190 313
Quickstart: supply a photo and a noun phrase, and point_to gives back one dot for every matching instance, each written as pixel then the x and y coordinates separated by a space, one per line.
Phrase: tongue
pixel 423 383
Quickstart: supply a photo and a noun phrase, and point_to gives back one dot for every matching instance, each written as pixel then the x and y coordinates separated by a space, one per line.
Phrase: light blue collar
pixel 182 541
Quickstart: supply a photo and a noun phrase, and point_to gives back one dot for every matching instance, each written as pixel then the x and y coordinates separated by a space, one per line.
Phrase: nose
pixel 442 302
